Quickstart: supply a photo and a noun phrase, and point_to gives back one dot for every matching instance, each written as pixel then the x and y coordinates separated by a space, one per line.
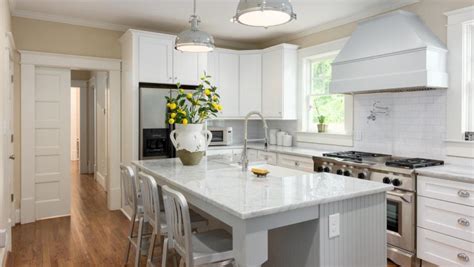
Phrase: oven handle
pixel 407 197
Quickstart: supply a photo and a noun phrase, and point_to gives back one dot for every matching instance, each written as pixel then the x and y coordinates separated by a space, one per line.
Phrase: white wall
pixel 75 122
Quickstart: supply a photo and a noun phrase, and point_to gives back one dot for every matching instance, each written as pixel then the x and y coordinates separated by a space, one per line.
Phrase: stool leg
pixel 130 235
pixel 151 249
pixel 139 242
pixel 165 252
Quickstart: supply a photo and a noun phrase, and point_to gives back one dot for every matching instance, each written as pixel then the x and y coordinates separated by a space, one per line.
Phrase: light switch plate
pixel 334 225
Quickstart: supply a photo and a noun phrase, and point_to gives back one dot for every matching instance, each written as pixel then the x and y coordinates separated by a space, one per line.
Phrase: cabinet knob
pixel 170 78
pixel 464 222
pixel 297 164
pixel 463 257
pixel 463 193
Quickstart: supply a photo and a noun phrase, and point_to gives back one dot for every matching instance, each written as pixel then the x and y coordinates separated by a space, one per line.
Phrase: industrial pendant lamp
pixel 194 40
pixel 264 13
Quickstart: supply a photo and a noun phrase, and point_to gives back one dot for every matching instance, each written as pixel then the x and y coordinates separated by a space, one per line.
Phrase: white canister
pixel 287 140
pixel 280 138
pixel 273 136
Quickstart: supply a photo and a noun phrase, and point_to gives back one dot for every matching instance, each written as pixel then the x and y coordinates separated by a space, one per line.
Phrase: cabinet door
pixel 250 83
pixel 272 84
pixel 229 84
pixel 212 67
pixel 187 67
pixel 155 60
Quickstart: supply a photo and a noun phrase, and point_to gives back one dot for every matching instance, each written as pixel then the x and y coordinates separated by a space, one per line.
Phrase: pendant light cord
pixel 194 10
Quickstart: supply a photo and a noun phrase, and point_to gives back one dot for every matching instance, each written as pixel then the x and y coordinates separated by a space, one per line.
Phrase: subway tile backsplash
pixel 409 124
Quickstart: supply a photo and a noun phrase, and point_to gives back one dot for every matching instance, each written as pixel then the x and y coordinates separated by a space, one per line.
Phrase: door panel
pixel 52 145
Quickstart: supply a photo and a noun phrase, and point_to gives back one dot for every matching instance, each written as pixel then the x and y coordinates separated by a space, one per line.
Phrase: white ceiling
pixel 172 15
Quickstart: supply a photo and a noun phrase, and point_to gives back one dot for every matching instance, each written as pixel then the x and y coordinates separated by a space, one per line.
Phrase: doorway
pixel 48 140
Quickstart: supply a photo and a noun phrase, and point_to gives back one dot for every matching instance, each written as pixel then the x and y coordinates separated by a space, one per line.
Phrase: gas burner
pixel 358 156
pixel 413 163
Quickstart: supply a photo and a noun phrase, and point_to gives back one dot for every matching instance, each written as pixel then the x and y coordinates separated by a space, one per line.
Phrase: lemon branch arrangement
pixel 195 107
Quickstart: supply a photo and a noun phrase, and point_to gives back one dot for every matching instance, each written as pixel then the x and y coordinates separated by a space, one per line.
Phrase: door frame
pixel 29 61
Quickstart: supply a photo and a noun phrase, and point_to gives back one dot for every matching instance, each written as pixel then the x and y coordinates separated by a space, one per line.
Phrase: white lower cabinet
pixel 296 162
pixel 269 157
pixel 444 250
pixel 445 218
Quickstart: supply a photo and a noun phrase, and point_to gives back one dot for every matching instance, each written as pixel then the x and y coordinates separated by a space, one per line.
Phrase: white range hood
pixel 391 52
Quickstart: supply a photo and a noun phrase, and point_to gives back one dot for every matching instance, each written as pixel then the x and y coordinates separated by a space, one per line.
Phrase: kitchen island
pixel 284 219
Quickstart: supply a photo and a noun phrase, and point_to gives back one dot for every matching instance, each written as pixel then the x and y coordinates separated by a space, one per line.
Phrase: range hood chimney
pixel 391 52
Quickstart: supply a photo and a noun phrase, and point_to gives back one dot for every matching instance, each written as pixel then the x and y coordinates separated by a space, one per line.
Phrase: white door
pixel 250 83
pixel 155 60
pixel 272 90
pixel 46 165
pixel 229 84
pixel 186 68
pixel 75 122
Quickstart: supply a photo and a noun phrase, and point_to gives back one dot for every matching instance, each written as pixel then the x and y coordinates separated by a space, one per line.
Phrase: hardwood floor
pixel 91 236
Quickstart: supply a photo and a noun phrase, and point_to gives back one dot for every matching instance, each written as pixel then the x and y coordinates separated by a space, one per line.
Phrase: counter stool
pixel 196 249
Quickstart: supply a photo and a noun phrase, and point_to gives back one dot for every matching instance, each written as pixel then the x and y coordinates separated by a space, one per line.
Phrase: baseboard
pixel 114 198
pixel 127 211
pixel 3 256
pixel 27 214
pixel 17 216
pixel 101 180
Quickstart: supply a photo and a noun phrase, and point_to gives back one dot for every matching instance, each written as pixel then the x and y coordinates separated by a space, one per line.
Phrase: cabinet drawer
pixel 252 154
pixel 212 152
pixel 269 157
pixel 453 191
pixel 447 218
pixel 444 250
pixel 295 162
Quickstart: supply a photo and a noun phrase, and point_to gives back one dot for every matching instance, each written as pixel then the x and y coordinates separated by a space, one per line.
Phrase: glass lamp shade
pixel 264 13
pixel 194 40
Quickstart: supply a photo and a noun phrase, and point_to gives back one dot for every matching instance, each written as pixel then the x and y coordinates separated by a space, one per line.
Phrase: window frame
pixel 305 56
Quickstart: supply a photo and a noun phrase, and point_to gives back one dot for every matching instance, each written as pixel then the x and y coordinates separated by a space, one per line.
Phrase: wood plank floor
pixel 91 236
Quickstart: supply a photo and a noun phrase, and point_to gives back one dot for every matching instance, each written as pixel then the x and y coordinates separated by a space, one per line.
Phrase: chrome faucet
pixel 245 160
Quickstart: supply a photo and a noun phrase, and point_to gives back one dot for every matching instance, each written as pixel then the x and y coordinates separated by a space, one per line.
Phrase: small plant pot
pixel 322 128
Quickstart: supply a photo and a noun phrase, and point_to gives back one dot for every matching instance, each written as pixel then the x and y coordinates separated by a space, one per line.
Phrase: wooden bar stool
pixel 196 249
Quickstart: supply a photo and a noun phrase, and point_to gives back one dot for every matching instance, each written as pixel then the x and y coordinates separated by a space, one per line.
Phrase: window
pixel 320 103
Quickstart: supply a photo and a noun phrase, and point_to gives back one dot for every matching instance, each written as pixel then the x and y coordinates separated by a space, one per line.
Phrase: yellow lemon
pixel 168 104
pixel 172 106
pixel 171 121
pixel 215 105
pixel 185 121
pixel 181 91
pixel 173 115
pixel 214 97
pixel 219 107
pixel 207 92
pixel 189 95
pixel 183 112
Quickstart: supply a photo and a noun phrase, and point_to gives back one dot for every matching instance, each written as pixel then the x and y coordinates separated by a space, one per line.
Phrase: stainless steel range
pixel 401 202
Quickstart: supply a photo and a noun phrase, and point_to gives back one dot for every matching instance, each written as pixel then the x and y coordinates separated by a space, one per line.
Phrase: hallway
pixel 91 236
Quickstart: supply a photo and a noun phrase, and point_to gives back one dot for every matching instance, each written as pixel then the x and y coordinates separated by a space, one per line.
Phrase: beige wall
pixel 430 11
pixel 80 75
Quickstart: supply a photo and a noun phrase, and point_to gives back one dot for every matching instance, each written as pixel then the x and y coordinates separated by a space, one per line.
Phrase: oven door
pixel 401 223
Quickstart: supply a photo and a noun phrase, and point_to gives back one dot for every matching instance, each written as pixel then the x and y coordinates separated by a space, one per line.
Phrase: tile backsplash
pixel 409 124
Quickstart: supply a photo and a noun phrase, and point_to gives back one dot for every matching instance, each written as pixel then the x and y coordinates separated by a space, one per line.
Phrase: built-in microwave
pixel 221 136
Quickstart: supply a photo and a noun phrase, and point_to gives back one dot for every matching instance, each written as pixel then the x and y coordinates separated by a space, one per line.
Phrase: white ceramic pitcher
pixel 190 142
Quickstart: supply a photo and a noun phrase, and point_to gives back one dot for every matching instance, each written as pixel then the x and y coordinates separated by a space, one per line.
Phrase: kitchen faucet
pixel 245 160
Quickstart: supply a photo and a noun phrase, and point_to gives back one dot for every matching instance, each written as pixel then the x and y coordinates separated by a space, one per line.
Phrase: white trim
pixel 325 138
pixel 29 60
pixel 305 55
pixel 17 216
pixel 101 180
pixel 463 149
pixel 457 65
pixel 339 22
pixel 69 61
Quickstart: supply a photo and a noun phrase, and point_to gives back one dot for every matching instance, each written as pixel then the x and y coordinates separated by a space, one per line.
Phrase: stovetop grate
pixel 355 155
pixel 413 163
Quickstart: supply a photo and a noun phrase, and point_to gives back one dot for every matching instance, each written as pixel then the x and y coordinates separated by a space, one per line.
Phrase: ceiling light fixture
pixel 264 13
pixel 194 40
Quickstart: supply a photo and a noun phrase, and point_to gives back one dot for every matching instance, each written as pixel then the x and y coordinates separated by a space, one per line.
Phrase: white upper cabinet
pixel 228 75
pixel 212 68
pixel 188 67
pixel 250 93
pixel 155 59
pixel 279 66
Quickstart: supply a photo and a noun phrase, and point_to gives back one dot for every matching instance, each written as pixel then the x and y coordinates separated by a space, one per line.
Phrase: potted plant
pixel 189 111
pixel 322 127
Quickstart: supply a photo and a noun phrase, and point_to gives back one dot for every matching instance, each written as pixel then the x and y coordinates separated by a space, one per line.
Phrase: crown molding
pixel 339 22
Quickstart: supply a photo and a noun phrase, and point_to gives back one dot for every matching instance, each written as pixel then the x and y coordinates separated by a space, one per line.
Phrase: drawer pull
pixel 463 193
pixel 297 164
pixel 463 257
pixel 464 222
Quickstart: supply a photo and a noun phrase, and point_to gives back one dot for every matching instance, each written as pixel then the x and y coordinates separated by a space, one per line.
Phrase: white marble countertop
pixel 292 150
pixel 449 171
pixel 218 181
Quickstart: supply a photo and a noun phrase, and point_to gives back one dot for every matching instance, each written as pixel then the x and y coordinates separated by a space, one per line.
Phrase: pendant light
pixel 194 40
pixel 264 13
